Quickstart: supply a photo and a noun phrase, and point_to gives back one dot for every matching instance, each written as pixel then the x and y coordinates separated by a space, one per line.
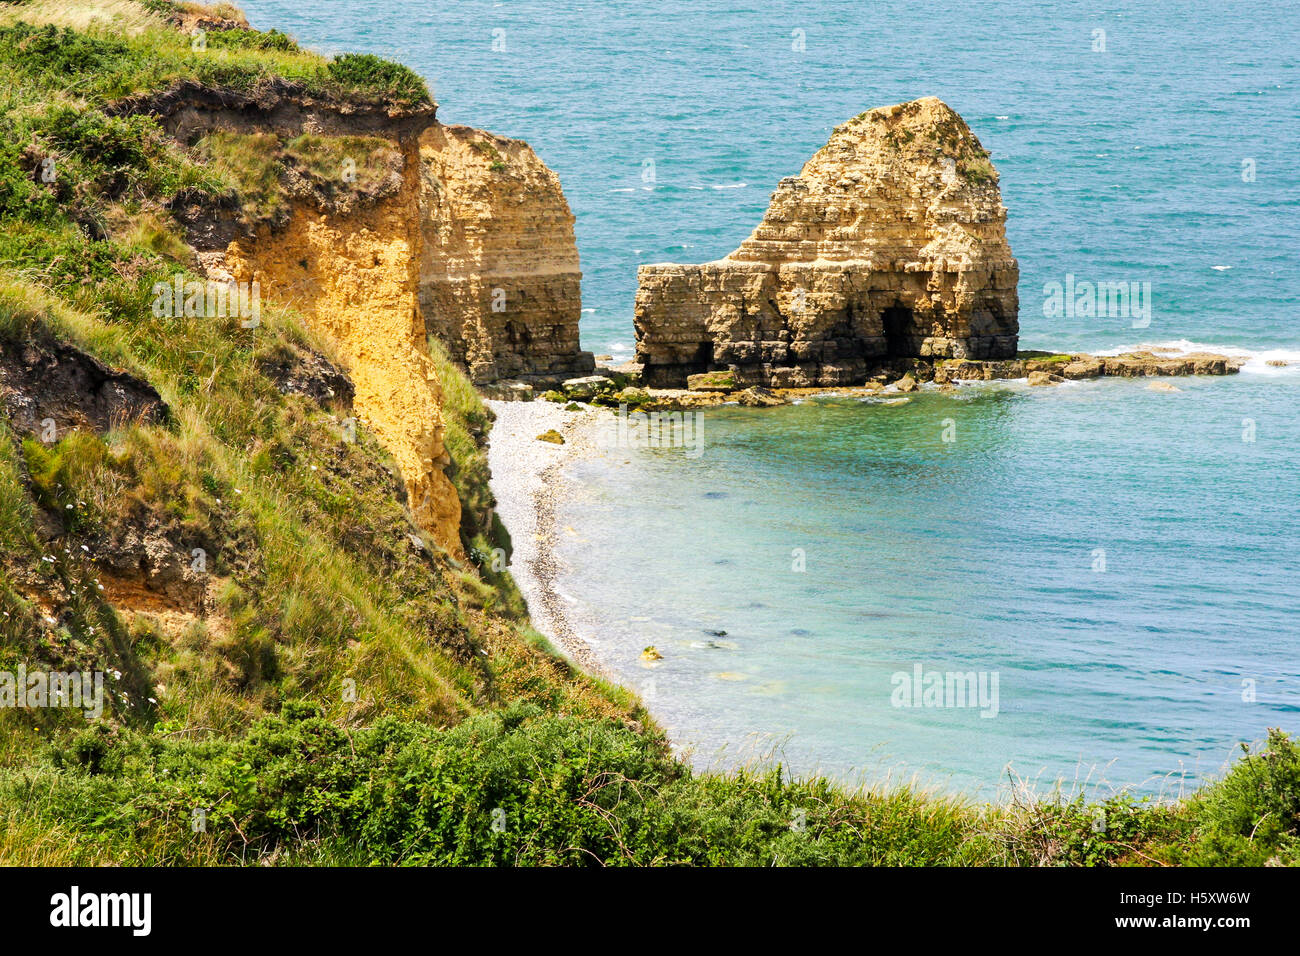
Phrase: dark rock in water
pixel 715 633
pixel 713 495
pixel 800 632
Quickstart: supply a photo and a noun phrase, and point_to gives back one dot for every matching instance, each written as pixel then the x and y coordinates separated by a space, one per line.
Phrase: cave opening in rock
pixel 900 328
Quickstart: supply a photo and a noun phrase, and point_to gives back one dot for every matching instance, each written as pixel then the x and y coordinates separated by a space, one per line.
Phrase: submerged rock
pixel 758 397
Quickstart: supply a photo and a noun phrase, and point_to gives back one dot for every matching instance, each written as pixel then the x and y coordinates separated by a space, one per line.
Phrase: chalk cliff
pixel 890 244
pixel 500 282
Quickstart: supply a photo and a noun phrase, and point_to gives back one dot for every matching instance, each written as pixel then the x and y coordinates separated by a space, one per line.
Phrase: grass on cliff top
pixel 519 787
pixel 96 53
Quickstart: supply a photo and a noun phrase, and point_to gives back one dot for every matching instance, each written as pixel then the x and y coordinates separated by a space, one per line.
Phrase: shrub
pixel 58 51
pixel 241 39
pixel 367 73
pixel 1252 815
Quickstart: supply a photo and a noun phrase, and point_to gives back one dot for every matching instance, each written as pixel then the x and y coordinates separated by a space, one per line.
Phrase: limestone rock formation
pixel 438 230
pixel 889 244
pixel 500 282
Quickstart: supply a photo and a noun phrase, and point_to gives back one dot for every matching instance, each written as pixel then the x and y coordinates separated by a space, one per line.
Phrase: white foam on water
pixel 1256 362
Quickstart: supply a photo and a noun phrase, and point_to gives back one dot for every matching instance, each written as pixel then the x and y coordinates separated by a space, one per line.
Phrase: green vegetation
pixel 325 688
pixel 518 786
pixel 1053 358
pixel 255 168
pixel 95 65
pixel 979 170
pixel 391 81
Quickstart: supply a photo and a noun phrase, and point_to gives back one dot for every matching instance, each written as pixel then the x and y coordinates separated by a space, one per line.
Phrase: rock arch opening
pixel 900 329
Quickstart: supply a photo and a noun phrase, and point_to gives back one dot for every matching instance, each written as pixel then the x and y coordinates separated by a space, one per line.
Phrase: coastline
pixel 529 484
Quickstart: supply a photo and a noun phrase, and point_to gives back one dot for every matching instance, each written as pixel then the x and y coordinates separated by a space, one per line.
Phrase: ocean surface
pixel 1123 562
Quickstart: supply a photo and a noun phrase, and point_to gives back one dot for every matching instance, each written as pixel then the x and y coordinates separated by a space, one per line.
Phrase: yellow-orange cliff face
pixel 444 230
pixel 355 278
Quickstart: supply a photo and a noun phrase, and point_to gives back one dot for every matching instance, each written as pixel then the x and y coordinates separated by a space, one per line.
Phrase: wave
pixel 1256 359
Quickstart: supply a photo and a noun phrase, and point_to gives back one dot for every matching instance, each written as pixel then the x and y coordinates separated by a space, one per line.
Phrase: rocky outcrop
pixel 500 282
pixel 48 387
pixel 443 231
pixel 1080 365
pixel 889 244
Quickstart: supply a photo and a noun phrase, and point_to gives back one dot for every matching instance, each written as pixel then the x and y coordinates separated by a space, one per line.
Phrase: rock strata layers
pixel 500 282
pixel 889 244
pixel 440 231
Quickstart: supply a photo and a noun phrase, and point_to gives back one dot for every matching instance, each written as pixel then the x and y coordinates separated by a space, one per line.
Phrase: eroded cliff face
pixel 889 244
pixel 343 249
pixel 500 282
pixel 355 278
pixel 443 230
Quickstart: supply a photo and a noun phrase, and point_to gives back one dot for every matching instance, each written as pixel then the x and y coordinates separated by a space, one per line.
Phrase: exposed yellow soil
pixel 355 279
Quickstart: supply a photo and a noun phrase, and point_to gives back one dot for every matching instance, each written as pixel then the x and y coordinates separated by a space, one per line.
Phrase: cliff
pixel 435 230
pixel 341 244
pixel 500 282
pixel 889 244
pixel 183 503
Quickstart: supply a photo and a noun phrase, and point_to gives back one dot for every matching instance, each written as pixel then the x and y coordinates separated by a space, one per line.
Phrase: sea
pixel 1094 586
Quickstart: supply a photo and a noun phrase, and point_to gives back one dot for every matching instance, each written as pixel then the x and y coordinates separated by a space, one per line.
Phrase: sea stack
pixel 889 245
pixel 500 282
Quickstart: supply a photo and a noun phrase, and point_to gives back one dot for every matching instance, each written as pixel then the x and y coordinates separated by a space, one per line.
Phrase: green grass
pixel 521 787
pixel 326 691
pixel 96 66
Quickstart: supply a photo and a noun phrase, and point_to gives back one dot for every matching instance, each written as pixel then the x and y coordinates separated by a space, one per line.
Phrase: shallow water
pixel 1129 164
pixel 1119 558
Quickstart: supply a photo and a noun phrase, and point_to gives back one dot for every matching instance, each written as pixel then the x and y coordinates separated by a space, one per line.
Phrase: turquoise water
pixel 1128 164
